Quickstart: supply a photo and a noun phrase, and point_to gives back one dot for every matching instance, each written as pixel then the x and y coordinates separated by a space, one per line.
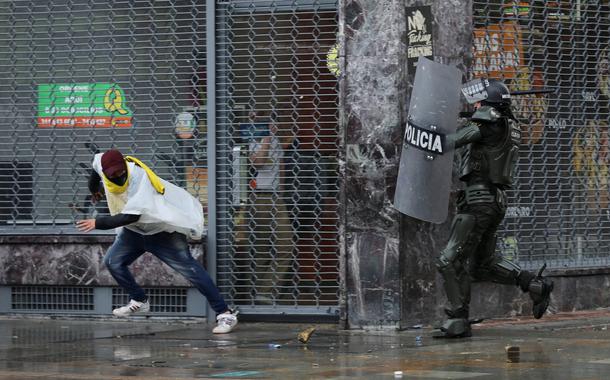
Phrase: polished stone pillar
pixel 389 265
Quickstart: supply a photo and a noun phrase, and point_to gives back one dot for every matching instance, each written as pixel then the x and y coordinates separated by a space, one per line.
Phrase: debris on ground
pixel 513 354
pixel 304 335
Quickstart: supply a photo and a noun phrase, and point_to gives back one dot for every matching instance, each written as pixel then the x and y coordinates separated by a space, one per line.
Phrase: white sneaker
pixel 132 307
pixel 226 322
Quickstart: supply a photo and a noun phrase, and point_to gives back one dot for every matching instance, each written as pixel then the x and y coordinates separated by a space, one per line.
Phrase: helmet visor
pixel 475 90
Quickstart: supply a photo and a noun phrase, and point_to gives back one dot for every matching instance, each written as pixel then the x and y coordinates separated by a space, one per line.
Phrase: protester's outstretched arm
pixel 106 222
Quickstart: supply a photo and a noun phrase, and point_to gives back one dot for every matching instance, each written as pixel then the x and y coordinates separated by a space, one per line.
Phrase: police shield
pixel 424 176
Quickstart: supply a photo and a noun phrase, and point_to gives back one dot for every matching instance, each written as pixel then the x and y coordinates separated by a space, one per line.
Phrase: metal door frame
pixel 212 20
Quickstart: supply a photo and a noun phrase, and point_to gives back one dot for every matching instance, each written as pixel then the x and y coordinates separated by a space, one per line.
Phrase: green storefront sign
pixel 82 105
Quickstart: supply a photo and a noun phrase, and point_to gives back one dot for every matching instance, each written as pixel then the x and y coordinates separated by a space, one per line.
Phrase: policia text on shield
pixel 489 143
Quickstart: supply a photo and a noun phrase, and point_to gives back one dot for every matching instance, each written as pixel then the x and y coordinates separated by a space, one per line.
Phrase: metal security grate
pixel 559 211
pixel 82 76
pixel 162 300
pixel 276 93
pixel 51 298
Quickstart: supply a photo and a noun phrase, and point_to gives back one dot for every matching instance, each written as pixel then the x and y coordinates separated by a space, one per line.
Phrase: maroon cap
pixel 113 163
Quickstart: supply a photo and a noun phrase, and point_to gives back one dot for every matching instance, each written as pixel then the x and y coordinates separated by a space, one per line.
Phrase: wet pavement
pixel 564 346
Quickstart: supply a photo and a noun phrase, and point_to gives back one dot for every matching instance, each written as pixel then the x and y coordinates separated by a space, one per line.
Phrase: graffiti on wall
pixel 498 52
pixel 590 162
pixel 530 109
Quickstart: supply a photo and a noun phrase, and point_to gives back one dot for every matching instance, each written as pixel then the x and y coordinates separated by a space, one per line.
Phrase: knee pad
pixel 460 231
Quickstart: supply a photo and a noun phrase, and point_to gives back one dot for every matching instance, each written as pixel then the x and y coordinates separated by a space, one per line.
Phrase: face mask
pixel 120 181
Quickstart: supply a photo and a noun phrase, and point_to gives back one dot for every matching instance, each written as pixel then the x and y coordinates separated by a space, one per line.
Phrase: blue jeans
pixel 172 249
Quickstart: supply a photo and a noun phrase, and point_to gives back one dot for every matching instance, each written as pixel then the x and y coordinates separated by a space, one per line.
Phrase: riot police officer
pixel 490 141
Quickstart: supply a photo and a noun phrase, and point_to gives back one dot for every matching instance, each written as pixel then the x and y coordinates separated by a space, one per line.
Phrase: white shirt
pixel 268 175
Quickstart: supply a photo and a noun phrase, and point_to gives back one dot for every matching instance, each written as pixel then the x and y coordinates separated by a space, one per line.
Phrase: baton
pixel 528 92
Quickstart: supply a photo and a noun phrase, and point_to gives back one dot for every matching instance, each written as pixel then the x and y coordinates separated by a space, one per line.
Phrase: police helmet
pixel 497 93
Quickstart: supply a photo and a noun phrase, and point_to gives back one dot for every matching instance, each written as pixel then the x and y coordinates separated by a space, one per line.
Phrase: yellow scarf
pixel 119 189
pixel 116 198
pixel 152 177
pixel 113 187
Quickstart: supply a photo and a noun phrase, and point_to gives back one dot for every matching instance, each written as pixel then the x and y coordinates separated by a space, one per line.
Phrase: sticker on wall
pixel 419 34
pixel 332 60
pixel 83 105
pixel 185 125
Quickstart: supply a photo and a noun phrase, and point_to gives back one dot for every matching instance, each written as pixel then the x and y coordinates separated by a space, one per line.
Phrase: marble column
pixel 374 99
pixel 422 296
pixel 390 275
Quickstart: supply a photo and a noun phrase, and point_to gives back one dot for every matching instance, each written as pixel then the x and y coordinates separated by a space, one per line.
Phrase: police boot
pixel 540 289
pixel 457 326
pixel 540 292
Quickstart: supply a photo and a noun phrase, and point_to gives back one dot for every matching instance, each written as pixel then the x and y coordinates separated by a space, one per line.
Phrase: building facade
pixel 190 87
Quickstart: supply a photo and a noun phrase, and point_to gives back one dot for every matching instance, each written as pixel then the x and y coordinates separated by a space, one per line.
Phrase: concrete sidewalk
pixel 563 346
